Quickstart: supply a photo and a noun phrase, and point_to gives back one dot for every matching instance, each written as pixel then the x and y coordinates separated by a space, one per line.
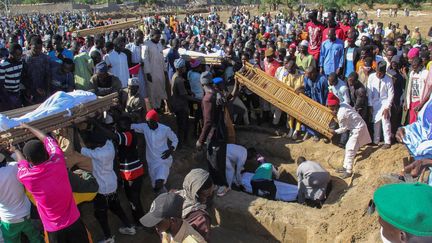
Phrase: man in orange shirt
pixel 270 63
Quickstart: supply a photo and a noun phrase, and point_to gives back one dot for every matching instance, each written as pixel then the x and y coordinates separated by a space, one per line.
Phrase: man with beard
pixel 154 69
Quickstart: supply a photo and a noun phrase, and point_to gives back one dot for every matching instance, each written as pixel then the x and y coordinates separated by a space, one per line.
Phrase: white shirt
pixel 341 91
pixel 280 73
pixel 380 95
pixel 119 66
pixel 103 170
pixel 14 204
pixel 236 156
pixel 350 120
pixel 95 49
pixel 136 52
pixel 156 141
pixel 416 85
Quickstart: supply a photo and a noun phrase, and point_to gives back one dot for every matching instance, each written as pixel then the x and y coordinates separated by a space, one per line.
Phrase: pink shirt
pixel 49 184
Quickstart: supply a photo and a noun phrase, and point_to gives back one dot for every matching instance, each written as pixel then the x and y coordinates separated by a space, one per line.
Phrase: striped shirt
pixel 10 75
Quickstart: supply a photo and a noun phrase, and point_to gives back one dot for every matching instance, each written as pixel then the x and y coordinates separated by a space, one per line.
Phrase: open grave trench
pixel 241 217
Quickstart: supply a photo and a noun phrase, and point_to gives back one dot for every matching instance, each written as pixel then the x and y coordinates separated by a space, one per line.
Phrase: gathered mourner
pixel 380 97
pixel 10 79
pixel 358 95
pixel 316 88
pixel 197 192
pixel 349 120
pixel 14 206
pixel 312 180
pixel 103 83
pixel 102 152
pixel 161 141
pixel 36 73
pixel 417 83
pixel 331 54
pixel 131 168
pixel 117 61
pixel 42 170
pixel 154 70
pixel 403 212
pixel 134 104
pixel 166 216
pixel 214 72
pixel 263 178
pixel 180 101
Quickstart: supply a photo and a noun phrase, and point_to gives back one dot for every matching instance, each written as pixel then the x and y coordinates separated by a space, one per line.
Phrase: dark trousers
pixel 265 186
pixel 182 118
pixel 12 100
pixel 395 118
pixel 216 157
pixel 76 232
pixel 133 194
pixel 101 205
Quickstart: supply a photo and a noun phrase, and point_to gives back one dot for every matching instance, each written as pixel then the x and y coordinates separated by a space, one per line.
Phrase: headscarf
pixel 191 185
pixel 179 63
pixel 413 52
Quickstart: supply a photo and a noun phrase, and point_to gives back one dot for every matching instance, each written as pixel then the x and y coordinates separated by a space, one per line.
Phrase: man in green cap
pixel 405 212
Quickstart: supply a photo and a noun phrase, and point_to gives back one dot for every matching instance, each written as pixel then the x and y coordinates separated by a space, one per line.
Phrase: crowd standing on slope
pixel 375 79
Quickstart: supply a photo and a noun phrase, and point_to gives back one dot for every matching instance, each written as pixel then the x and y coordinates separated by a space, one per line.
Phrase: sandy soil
pixel 342 219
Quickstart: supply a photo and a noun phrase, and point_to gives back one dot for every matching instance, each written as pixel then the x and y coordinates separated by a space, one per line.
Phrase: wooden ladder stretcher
pixel 299 106
pixel 107 28
pixel 56 121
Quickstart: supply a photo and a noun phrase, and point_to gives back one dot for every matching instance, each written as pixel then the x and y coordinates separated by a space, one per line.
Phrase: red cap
pixel 266 35
pixel 152 115
pixel 332 99
pixel 292 45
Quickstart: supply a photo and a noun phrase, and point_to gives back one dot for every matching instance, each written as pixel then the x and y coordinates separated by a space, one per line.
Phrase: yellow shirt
pixel 294 81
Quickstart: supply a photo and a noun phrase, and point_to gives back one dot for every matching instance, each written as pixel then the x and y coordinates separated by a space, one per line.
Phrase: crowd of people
pixel 374 79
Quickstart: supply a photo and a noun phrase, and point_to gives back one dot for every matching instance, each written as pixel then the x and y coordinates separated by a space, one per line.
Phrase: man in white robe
pixel 236 156
pixel 380 97
pixel 154 69
pixel 349 120
pixel 158 151
pixel 137 58
pixel 117 61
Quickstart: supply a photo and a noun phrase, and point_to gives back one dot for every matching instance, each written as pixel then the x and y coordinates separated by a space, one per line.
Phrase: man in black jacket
pixel 358 95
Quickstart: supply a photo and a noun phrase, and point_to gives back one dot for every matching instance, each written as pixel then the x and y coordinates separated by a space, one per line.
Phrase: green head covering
pixel 406 206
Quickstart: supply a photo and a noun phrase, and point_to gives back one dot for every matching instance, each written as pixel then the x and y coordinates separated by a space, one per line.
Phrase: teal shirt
pixel 264 172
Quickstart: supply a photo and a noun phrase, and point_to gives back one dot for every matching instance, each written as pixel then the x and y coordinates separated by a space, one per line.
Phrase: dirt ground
pixel 342 219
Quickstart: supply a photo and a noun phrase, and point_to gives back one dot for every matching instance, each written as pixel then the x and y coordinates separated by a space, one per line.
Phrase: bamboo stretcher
pixel 56 121
pixel 299 106
pixel 106 28
pixel 204 59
